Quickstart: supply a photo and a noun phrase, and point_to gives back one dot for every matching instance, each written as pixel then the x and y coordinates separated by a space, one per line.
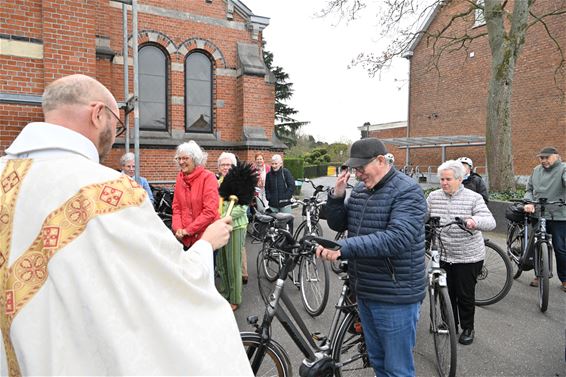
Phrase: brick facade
pixel 45 39
pixel 453 100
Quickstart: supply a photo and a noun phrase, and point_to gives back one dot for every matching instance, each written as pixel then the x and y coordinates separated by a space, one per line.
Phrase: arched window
pixel 198 93
pixel 153 88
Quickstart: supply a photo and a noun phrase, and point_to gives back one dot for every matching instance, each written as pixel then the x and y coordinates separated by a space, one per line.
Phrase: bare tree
pixel 507 23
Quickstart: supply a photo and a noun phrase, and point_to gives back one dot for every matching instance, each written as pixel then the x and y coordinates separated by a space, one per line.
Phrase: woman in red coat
pixel 195 204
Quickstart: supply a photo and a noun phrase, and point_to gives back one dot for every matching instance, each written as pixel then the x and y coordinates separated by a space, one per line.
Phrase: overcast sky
pixel 315 52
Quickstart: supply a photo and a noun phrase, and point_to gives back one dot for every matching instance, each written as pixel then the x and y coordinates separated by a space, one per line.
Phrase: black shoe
pixel 467 337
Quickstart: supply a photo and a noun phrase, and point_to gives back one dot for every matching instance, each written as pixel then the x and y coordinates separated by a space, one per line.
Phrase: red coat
pixel 195 204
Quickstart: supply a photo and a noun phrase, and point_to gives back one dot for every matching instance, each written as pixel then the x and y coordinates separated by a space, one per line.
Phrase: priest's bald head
pixel 84 105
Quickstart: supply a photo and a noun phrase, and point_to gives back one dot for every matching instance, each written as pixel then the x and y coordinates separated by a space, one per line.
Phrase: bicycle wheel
pixel 443 331
pixel 315 285
pixel 543 275
pixel 271 261
pixel 515 245
pixel 495 278
pixel 274 362
pixel 302 230
pixel 335 265
pixel 349 350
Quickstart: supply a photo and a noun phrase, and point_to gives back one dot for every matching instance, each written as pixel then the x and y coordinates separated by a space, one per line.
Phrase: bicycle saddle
pixel 282 217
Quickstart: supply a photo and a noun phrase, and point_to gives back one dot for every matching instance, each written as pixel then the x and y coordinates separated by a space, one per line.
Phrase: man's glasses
pixel 120 127
pixel 361 169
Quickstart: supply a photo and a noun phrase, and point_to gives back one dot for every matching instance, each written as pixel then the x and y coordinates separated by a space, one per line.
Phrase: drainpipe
pixel 408 55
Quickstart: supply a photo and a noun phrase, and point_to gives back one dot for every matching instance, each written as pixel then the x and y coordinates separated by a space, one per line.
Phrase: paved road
pixel 513 338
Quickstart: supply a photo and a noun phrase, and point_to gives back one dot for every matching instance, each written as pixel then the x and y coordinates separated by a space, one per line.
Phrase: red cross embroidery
pixel 111 195
pixel 51 236
pixel 10 181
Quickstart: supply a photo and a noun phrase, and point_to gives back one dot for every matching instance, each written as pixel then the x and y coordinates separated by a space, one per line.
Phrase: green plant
pixel 295 166
pixel 507 196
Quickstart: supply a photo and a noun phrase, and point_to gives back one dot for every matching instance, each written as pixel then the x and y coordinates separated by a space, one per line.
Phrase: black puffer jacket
pixel 385 244
pixel 279 186
pixel 475 183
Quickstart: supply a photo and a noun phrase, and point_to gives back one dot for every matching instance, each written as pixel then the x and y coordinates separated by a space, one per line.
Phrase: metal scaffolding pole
pixel 126 75
pixel 136 88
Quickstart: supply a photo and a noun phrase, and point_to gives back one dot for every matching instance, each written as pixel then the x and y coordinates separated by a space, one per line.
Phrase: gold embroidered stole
pixel 28 273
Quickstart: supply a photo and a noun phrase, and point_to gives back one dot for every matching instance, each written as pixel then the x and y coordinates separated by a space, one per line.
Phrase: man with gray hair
pixel 93 281
pixel 549 181
pixel 279 186
pixel 128 164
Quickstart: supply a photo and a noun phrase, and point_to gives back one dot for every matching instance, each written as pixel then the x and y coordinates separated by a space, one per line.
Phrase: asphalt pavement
pixel 513 338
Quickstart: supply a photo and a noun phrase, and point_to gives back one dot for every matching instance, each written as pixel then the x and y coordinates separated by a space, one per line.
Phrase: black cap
pixel 548 151
pixel 364 150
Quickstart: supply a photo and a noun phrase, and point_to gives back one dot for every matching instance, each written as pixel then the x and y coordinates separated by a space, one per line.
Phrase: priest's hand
pixel 218 233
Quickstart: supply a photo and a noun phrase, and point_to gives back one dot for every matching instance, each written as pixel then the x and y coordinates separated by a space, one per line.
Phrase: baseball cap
pixel 548 151
pixel 364 150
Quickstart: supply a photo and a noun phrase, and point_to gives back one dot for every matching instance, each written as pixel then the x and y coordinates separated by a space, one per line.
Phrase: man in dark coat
pixel 384 216
pixel 279 186
pixel 472 180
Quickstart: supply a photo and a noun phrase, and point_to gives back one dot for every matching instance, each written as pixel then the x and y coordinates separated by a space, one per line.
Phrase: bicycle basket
pixel 514 213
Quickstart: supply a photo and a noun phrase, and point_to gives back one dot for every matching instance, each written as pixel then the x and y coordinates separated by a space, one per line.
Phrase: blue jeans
pixel 390 332
pixel 558 231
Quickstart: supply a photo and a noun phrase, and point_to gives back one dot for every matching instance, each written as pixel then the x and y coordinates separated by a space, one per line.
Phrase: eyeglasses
pixel 361 169
pixel 183 158
pixel 120 127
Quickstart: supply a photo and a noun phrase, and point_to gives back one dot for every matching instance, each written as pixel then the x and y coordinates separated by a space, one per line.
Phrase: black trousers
pixel 461 280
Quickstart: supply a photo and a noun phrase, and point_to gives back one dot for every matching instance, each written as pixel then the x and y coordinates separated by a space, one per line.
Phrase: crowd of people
pixel 116 293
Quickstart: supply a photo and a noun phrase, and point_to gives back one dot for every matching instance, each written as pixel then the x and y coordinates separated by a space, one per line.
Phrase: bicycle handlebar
pixel 542 201
pixel 434 222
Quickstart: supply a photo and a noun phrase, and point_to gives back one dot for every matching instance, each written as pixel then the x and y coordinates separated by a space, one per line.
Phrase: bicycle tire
pixel 314 284
pixel 302 228
pixel 335 265
pixel 271 261
pixel 349 350
pixel 265 284
pixel 274 363
pixel 495 278
pixel 544 274
pixel 443 331
pixel 515 245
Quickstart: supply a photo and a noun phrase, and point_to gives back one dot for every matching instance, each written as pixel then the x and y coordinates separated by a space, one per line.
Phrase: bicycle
pixel 495 278
pixel 261 219
pixel 163 204
pixel 529 245
pixel 341 353
pixel 442 325
pixel 312 277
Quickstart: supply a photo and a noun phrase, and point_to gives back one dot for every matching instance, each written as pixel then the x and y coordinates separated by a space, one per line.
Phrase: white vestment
pixel 122 298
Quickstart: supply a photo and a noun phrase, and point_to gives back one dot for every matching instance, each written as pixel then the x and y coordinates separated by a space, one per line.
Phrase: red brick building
pixel 201 72
pixel 452 101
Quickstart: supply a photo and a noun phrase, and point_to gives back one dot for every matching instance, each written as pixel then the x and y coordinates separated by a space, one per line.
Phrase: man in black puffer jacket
pixel 384 217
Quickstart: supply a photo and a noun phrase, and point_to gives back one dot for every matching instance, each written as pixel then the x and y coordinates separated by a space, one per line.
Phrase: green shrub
pixel 295 166
pixel 506 196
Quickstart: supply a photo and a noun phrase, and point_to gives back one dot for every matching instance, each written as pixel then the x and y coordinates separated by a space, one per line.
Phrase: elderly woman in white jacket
pixel 463 253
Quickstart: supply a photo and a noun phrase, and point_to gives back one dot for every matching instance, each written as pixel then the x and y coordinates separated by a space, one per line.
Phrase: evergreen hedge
pixel 295 166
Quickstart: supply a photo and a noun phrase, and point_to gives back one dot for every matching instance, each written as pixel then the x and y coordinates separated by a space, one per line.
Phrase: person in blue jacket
pixel 128 164
pixel 385 250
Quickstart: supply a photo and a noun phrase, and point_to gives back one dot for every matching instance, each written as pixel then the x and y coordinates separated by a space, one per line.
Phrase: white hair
pixel 456 166
pixel 192 150
pixel 227 156
pixel 127 157
pixel 276 158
